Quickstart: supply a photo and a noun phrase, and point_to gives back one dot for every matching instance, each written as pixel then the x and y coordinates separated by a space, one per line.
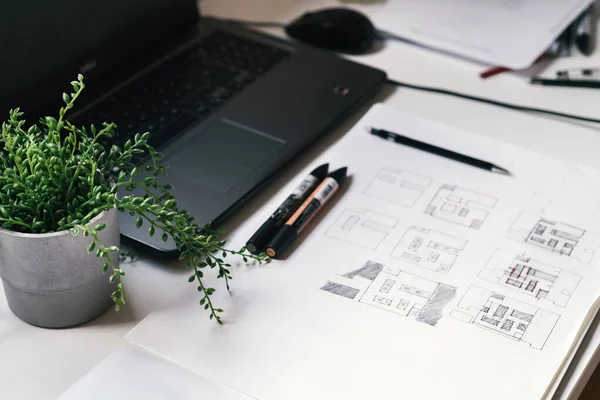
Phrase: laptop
pixel 227 106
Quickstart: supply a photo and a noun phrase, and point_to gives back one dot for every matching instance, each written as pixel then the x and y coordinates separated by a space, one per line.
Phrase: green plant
pixel 55 177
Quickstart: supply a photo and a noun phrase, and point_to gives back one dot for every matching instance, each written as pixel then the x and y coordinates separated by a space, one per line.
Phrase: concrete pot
pixel 51 281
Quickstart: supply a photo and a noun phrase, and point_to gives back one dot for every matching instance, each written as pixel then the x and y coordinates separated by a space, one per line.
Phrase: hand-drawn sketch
pixel 556 237
pixel 391 289
pixel 366 229
pixel 428 248
pixel 398 187
pixel 531 277
pixel 340 290
pixel 506 316
pixel 461 206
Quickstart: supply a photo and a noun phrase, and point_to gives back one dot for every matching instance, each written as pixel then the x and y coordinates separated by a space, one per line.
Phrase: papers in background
pixel 400 286
pixel 509 33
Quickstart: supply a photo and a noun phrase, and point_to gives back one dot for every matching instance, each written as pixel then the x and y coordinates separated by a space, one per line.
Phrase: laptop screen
pixel 39 38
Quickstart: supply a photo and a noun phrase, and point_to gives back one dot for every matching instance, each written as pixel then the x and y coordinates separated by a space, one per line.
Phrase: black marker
pixel 269 228
pixel 297 222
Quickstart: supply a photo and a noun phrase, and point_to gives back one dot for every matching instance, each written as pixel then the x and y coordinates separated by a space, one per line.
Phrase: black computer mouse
pixel 336 29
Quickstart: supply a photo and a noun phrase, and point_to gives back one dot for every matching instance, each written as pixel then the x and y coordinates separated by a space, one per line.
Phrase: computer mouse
pixel 340 30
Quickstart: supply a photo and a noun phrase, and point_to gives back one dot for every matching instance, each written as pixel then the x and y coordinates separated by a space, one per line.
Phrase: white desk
pixel 41 364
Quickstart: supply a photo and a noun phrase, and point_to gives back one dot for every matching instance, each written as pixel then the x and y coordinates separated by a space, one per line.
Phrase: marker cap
pixel 282 240
pixel 256 244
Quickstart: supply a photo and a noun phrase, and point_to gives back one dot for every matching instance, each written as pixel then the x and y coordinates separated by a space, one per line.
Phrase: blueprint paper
pixel 425 278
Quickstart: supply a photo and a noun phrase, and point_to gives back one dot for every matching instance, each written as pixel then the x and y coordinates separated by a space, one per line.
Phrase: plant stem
pixel 103 131
pixel 213 312
pixel 119 298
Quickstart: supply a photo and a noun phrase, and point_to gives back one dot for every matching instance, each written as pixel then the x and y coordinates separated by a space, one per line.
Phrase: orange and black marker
pixel 257 243
pixel 305 213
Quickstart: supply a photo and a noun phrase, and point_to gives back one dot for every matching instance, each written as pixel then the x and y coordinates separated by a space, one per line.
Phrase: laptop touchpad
pixel 223 155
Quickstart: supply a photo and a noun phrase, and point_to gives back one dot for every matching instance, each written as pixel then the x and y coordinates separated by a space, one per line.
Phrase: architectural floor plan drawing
pixel 365 229
pixel 461 206
pixel 398 187
pixel 393 290
pixel 506 316
pixel 429 249
pixel 531 277
pixel 556 237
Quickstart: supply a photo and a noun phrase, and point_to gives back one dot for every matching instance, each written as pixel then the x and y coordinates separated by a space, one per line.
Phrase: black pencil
pixel 394 137
pixel 574 83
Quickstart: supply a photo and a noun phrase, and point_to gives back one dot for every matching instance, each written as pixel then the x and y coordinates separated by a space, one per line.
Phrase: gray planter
pixel 51 281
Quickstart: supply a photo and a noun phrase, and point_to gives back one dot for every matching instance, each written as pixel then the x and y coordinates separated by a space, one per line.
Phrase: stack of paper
pixel 509 33
pixel 425 279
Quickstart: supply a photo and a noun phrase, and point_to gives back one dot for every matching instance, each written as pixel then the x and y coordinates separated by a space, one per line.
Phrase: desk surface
pixel 41 364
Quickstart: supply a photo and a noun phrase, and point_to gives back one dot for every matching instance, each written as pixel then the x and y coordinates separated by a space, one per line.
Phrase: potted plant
pixel 59 230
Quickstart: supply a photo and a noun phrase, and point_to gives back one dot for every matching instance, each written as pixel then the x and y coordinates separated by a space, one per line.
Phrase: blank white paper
pixel 132 373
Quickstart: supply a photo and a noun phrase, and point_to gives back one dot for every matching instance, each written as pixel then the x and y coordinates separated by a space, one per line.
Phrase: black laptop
pixel 227 106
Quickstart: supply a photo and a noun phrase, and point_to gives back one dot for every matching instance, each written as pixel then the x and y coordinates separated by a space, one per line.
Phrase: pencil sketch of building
pixel 554 236
pixel 393 290
pixel 505 316
pixel 531 277
pixel 429 248
pixel 364 229
pixel 461 206
pixel 399 187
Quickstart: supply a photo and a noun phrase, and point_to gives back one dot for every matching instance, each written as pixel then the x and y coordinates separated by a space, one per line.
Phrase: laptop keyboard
pixel 185 89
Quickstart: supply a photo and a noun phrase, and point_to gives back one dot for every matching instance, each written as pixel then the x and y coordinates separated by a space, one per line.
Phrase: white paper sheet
pixel 510 33
pixel 400 289
pixel 131 373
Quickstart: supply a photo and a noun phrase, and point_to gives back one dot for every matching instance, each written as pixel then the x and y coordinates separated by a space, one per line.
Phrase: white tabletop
pixel 41 364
